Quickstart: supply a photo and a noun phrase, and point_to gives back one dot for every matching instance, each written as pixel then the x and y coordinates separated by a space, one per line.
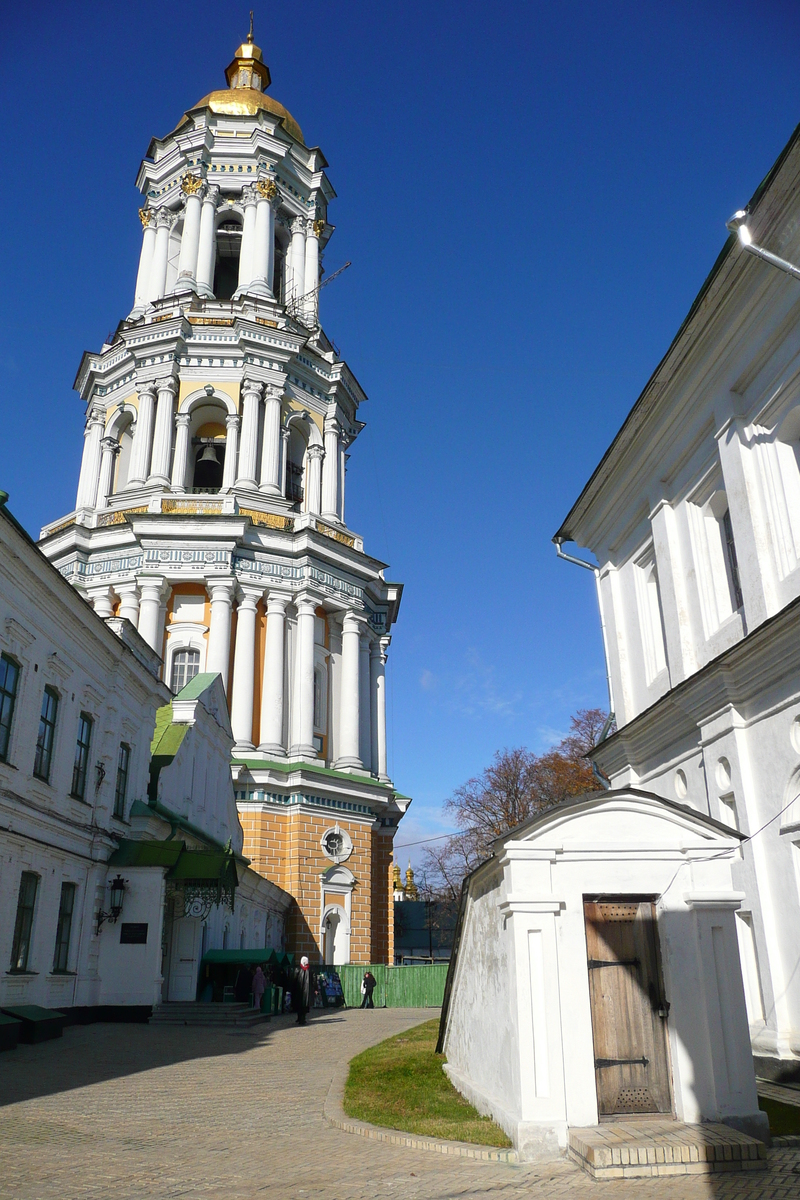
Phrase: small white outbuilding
pixel 596 974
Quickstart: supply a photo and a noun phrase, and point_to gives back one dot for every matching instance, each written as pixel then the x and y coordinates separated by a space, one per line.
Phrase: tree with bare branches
pixel 515 786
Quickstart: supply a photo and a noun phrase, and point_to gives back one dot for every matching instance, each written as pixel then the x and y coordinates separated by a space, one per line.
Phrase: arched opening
pixel 208 447
pixel 185 665
pixel 332 925
pixel 125 438
pixel 229 248
pixel 295 460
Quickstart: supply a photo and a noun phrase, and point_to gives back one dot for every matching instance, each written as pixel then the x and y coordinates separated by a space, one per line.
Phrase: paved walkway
pixel 115 1112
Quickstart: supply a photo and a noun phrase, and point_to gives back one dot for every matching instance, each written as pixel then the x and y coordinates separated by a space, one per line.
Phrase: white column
pixel 271 442
pixel 128 602
pixel 342 475
pixel 330 470
pixel 103 602
pixel 142 436
pixel 110 450
pixel 157 282
pixel 248 451
pixel 145 259
pixel 311 282
pixel 190 238
pixel 303 705
pixel 219 629
pixel 231 450
pixel 314 478
pixel 272 683
pixel 90 462
pixel 248 238
pixel 150 625
pixel 180 462
pixel 284 458
pixel 379 760
pixel 349 693
pixel 260 282
pixel 244 661
pixel 364 705
pixel 207 250
pixel 298 258
pixel 162 438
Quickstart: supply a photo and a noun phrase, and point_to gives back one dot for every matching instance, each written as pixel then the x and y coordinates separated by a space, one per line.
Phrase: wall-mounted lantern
pixel 117 887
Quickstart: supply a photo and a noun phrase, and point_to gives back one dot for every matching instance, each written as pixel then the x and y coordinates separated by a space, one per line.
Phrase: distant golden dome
pixel 246 102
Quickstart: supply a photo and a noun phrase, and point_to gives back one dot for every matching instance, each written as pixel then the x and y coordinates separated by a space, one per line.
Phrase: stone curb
pixel 335 1115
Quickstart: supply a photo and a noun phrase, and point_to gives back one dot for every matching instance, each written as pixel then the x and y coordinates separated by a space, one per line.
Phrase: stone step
pixel 648 1148
pixel 219 1015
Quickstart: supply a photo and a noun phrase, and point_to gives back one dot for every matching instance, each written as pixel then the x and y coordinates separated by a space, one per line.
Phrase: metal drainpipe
pixel 579 562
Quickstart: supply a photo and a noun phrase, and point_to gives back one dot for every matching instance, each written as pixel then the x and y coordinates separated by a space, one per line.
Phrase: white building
pixel 694 518
pixel 595 974
pixel 83 799
pixel 210 509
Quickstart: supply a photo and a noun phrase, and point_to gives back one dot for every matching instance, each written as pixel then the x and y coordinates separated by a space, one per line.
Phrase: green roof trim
pixel 195 687
pixel 203 865
pixel 131 853
pixel 139 809
pixel 167 740
pixel 289 768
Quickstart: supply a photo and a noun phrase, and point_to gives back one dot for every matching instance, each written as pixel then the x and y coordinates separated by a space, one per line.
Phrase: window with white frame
pixel 185 665
pixel 651 621
pixel 715 557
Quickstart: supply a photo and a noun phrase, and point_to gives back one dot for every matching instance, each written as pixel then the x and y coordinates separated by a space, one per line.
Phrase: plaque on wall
pixel 133 933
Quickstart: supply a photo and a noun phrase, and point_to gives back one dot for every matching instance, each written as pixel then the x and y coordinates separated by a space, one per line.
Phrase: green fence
pixel 398 987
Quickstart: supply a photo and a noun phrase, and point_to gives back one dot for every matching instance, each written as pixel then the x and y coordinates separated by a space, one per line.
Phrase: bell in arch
pixel 209 455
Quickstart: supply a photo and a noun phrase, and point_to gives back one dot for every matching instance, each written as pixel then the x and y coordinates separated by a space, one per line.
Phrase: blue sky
pixel 531 196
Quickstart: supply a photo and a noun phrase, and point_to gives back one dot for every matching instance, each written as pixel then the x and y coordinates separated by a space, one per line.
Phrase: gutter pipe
pixel 579 562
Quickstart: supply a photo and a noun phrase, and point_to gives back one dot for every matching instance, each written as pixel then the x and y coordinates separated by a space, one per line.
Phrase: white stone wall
pixel 521 1048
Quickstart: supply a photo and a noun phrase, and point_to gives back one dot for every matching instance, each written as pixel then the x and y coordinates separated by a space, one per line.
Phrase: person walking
pixel 301 990
pixel 258 987
pixel 368 985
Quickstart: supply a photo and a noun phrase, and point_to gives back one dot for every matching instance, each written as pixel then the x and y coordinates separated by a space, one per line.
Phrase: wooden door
pixel 183 960
pixel 628 1007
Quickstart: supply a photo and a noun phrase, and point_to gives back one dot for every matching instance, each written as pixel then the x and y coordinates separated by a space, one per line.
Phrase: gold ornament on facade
pixel 145 216
pixel 319 228
pixel 191 183
pixel 268 188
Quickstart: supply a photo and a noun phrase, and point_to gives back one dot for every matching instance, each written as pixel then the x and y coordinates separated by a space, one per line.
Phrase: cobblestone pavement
pixel 115 1112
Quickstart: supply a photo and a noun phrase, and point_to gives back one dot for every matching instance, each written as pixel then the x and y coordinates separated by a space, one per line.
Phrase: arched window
pixel 185 665
pixel 294 467
pixel 229 248
pixel 208 467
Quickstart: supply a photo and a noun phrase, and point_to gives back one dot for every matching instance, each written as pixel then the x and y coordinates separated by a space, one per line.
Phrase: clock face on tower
pixel 336 844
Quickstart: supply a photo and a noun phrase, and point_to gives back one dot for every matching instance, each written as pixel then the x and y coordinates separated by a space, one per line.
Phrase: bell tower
pixel 210 510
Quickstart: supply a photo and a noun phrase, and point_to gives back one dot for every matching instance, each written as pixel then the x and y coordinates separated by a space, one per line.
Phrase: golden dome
pixel 246 102
pixel 248 78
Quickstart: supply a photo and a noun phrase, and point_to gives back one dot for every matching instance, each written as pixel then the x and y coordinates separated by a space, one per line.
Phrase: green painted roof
pixel 195 687
pixel 131 853
pixel 258 764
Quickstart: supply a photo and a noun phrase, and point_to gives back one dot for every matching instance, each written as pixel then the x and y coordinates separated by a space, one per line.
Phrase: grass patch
pixel 783 1118
pixel 400 1084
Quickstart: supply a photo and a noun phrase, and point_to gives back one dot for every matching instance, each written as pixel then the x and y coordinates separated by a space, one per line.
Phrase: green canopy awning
pixel 132 853
pixel 233 957
pixel 204 866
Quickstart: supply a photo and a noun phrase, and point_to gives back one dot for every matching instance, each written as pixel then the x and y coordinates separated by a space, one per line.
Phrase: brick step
pixel 649 1148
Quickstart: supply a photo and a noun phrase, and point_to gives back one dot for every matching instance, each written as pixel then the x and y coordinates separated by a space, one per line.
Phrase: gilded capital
pixel 319 227
pixel 267 188
pixel 145 216
pixel 190 183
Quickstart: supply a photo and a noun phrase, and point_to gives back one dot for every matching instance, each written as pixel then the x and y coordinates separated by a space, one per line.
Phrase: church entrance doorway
pixel 628 1008
pixel 183 959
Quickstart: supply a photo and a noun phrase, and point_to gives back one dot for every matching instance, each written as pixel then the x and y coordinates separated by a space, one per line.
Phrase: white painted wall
pixel 538 1020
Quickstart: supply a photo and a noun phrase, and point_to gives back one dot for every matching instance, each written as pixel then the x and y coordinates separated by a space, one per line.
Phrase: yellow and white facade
pixel 211 503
